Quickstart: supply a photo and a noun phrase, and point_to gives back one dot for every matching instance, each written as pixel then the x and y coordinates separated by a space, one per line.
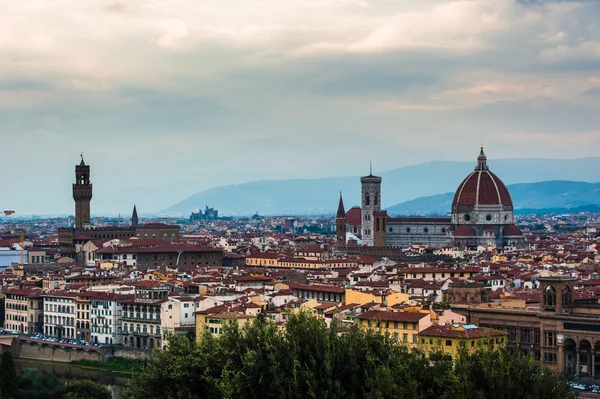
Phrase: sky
pixel 168 98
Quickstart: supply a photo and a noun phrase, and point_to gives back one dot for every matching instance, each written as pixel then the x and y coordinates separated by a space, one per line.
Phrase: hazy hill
pixel 399 185
pixel 549 194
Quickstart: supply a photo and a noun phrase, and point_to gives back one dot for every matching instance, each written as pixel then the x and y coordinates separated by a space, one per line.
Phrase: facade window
pixel 549 338
pixel 448 342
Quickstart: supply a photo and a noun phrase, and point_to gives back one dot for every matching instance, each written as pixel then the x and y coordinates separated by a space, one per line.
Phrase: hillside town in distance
pixel 528 282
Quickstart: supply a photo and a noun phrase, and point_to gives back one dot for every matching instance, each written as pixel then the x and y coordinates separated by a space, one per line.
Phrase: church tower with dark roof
pixel 340 224
pixel 134 217
pixel 82 194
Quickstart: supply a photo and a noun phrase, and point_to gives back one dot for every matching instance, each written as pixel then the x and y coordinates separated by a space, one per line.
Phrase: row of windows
pixel 405 338
pixel 83 315
pixel 143 316
pixel 16 297
pixel 65 321
pixel 16 306
pixel 103 321
pixel 59 331
pixel 140 329
pixel 408 230
pixel 443 275
pixel 15 317
pixel 395 324
pixel 59 308
pixel 83 306
pixel 102 330
pixel 102 312
pixel 59 300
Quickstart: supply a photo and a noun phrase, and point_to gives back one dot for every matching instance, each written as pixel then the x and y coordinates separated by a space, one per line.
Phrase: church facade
pixel 482 214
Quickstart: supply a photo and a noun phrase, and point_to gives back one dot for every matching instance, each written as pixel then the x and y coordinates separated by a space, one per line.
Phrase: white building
pixel 178 316
pixel 106 311
pixel 59 314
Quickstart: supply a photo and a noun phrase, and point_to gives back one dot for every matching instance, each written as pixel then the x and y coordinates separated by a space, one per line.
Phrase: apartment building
pixel 141 316
pixel 106 317
pixel 402 326
pixel 60 314
pixel 22 311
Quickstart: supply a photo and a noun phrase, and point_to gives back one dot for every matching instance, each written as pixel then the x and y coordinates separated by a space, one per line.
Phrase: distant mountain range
pixel 414 188
pixel 556 195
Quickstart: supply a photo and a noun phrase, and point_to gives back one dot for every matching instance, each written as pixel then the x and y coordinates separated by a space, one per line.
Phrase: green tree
pixel 310 360
pixel 35 384
pixel 86 389
pixel 8 377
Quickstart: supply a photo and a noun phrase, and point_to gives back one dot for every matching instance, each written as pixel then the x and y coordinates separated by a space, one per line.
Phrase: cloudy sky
pixel 167 98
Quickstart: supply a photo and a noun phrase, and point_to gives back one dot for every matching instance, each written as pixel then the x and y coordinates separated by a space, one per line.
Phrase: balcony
pixel 139 319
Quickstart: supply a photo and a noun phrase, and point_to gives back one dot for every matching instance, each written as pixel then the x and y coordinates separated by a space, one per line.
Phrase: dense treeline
pixel 34 384
pixel 308 360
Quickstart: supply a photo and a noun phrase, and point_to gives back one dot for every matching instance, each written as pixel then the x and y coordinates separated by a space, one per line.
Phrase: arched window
pixel 367 199
pixel 567 296
pixel 550 296
pixel 376 199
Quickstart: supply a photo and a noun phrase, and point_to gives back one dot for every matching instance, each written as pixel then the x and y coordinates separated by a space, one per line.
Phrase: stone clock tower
pixel 371 202
pixel 82 194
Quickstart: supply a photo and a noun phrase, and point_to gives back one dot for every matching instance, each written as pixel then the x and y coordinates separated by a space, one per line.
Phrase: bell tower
pixel 82 194
pixel 340 225
pixel 371 202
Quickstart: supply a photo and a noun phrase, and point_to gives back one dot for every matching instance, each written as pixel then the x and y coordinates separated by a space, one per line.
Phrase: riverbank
pixel 115 365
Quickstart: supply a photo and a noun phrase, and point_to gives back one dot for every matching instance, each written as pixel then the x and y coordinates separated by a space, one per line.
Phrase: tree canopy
pixel 35 384
pixel 309 360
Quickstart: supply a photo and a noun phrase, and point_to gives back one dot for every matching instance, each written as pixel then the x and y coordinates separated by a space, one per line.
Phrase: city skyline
pixel 197 96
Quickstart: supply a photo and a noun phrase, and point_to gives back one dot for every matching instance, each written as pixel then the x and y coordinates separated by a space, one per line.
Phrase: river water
pixel 115 382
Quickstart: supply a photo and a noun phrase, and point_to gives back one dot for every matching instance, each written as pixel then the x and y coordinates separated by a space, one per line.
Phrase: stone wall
pixel 54 353
pixel 57 353
pixel 130 353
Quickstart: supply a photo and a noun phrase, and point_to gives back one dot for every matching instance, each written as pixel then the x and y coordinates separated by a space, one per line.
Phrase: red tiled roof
pixel 512 230
pixel 408 317
pixel 315 287
pixel 465 231
pixel 447 331
pixel 482 187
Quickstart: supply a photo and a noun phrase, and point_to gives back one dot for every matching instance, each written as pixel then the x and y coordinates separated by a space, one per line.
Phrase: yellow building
pixel 18 313
pixel 450 338
pixel 402 326
pixel 214 322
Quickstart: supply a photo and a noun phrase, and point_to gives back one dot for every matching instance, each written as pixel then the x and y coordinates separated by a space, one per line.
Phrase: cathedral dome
pixel 481 187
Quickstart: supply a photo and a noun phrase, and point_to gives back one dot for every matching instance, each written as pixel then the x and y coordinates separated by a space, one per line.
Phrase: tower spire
pixel 481 160
pixel 82 163
pixel 134 217
pixel 341 212
pixel 370 168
